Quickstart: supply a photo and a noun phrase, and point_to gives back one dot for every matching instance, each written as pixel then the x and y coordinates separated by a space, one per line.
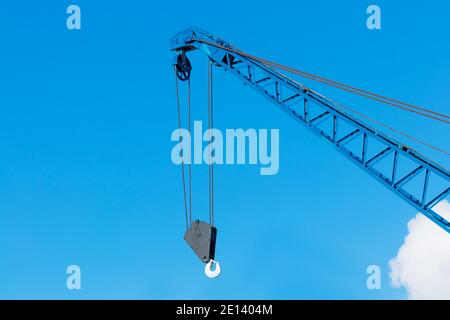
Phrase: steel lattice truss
pixel 313 111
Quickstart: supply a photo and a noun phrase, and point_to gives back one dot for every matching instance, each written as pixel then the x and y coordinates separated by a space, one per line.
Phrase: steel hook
pixel 212 273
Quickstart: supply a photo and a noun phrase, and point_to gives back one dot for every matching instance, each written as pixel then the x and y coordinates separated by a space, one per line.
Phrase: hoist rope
pixel 210 126
pixel 389 101
pixel 182 161
pixel 364 93
pixel 389 127
pixel 190 164
pixel 187 196
pixel 351 89
pixel 381 124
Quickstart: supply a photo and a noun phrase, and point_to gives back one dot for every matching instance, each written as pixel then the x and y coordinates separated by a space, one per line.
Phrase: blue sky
pixel 86 174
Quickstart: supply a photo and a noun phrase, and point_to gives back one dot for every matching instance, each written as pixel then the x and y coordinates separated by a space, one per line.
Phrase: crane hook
pixel 212 273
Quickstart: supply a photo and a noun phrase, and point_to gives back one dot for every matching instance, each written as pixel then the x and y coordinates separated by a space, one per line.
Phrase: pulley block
pixel 183 67
pixel 201 237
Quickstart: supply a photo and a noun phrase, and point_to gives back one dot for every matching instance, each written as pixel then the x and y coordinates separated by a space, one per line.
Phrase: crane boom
pixel 296 100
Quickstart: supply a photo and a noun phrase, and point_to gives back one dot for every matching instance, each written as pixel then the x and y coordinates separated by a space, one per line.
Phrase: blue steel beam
pixel 298 105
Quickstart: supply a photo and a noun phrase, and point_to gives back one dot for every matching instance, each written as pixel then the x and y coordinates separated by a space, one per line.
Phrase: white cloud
pixel 422 264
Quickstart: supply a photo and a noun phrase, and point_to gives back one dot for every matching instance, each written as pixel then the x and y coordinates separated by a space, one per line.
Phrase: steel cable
pixel 210 126
pixel 354 90
pixel 182 161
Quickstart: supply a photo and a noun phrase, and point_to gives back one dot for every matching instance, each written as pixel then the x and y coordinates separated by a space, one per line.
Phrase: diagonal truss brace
pixel 274 86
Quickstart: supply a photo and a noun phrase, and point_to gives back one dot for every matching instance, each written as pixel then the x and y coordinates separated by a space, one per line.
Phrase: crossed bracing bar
pixel 297 101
